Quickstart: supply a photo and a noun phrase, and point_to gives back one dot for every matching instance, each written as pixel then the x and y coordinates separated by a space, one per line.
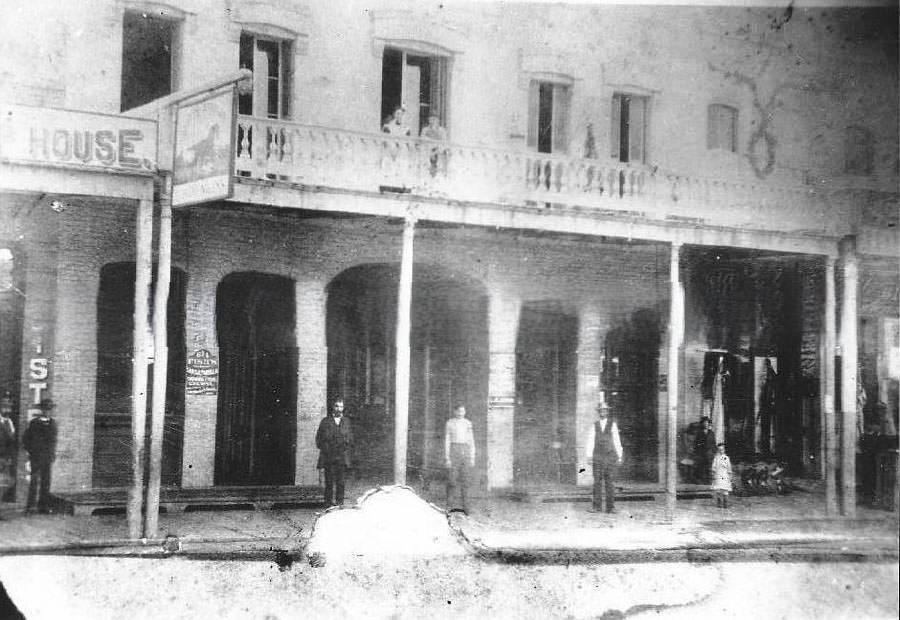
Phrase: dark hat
pixel 47 404
pixel 706 419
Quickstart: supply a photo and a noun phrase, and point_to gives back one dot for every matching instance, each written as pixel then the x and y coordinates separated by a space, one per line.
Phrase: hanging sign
pixel 202 376
pixel 204 149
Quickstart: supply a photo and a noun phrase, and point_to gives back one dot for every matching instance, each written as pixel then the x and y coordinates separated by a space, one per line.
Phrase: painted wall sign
pixel 38 373
pixel 202 375
pixel 204 149
pixel 47 136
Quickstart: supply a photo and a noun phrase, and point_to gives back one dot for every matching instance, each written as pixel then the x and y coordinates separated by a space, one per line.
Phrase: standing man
pixel 40 442
pixel 334 440
pixel 704 451
pixel 459 455
pixel 604 450
pixel 8 447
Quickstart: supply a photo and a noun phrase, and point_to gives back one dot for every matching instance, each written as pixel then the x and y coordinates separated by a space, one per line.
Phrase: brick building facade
pixel 589 149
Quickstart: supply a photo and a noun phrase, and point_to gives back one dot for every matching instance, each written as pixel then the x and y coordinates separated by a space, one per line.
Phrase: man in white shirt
pixel 459 454
pixel 604 450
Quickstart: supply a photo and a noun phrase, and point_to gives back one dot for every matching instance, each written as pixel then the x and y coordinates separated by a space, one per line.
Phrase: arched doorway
pixel 448 362
pixel 12 311
pixel 115 345
pixel 256 426
pixel 546 375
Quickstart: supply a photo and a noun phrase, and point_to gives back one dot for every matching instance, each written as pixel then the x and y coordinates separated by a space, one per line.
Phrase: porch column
pixel 676 336
pixel 829 427
pixel 312 369
pixel 503 325
pixel 401 368
pixel 144 265
pixel 590 331
pixel 849 355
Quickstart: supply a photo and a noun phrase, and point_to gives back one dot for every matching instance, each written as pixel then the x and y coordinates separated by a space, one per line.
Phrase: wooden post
pixel 829 428
pixel 676 335
pixel 401 369
pixel 160 359
pixel 143 268
pixel 849 356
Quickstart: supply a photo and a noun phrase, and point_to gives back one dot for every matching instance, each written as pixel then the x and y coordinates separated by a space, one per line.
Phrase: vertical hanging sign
pixel 204 148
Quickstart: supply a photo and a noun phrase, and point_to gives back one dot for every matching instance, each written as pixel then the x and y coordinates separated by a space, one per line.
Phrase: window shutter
pixel 533 112
pixel 636 127
pixel 287 83
pixel 615 122
pixel 561 96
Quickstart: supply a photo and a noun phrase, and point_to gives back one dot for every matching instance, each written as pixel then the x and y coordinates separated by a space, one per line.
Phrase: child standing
pixel 721 476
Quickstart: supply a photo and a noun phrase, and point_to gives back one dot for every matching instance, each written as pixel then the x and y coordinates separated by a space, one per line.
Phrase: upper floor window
pixel 270 60
pixel 721 128
pixel 548 116
pixel 858 150
pixel 628 131
pixel 149 58
pixel 416 83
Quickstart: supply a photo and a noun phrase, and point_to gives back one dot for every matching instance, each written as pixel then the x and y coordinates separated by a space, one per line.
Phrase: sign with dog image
pixel 204 149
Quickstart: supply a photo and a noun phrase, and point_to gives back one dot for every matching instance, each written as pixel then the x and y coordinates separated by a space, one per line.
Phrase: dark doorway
pixel 448 363
pixel 256 425
pixel 546 371
pixel 115 346
pixel 630 379
pixel 12 309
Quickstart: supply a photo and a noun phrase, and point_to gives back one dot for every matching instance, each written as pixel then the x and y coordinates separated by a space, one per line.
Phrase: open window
pixel 416 81
pixel 628 131
pixel 721 128
pixel 150 47
pixel 548 116
pixel 270 60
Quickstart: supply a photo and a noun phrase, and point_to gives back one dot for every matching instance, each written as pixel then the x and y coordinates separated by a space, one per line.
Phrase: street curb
pixel 164 547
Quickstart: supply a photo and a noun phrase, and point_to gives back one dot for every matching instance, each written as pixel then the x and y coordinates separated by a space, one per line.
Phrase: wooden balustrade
pixel 310 155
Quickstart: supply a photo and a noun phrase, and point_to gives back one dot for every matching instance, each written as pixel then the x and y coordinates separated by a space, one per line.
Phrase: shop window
pixel 721 128
pixel 149 58
pixel 418 83
pixel 628 130
pixel 548 116
pixel 270 60
pixel 858 150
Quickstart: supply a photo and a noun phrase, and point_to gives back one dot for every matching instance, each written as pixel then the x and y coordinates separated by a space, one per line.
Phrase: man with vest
pixel 334 441
pixel 604 450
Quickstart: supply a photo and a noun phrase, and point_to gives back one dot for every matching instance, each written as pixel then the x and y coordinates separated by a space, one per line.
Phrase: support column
pixel 144 264
pixel 849 355
pixel 676 336
pixel 591 328
pixel 160 359
pixel 401 368
pixel 503 326
pixel 829 426
pixel 312 376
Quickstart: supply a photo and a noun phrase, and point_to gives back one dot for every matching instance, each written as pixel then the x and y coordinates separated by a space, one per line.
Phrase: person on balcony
pixel 395 125
pixel 437 158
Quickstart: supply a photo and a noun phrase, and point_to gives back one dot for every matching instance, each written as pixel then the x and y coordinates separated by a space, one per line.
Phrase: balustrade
pixel 283 151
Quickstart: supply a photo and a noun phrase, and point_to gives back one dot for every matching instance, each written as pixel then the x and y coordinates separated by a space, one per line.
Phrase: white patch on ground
pixel 387 521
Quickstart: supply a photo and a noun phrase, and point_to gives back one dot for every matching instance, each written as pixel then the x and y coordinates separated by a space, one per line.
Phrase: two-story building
pixel 682 211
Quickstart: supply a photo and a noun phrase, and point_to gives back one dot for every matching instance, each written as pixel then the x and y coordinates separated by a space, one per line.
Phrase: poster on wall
pixel 204 149
pixel 202 376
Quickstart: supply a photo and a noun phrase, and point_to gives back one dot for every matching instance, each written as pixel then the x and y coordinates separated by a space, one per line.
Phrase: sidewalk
pixel 791 526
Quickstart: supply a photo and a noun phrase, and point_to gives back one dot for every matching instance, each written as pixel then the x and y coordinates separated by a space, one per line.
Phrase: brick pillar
pixel 312 368
pixel 503 324
pixel 200 410
pixel 591 329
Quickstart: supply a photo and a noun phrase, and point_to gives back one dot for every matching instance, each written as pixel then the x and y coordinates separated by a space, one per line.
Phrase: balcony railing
pixel 318 156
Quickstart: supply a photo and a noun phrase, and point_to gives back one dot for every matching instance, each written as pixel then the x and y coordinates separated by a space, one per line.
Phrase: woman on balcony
pixel 394 124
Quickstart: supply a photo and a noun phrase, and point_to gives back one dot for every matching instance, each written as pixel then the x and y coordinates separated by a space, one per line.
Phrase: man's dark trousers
pixel 334 483
pixel 39 487
pixel 605 463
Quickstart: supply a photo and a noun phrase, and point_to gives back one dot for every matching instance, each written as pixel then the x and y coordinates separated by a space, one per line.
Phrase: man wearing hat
pixel 604 450
pixel 40 442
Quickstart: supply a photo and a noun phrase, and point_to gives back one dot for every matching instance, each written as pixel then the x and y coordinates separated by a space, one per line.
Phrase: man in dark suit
pixel 704 451
pixel 604 452
pixel 40 442
pixel 334 440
